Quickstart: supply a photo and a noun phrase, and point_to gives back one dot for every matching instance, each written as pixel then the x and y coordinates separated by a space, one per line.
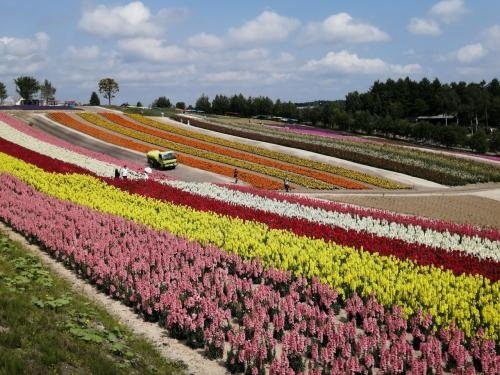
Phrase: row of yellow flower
pixel 470 301
pixel 349 173
pixel 205 154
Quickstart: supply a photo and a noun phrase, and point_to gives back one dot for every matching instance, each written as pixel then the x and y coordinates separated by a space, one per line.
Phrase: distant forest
pixel 463 115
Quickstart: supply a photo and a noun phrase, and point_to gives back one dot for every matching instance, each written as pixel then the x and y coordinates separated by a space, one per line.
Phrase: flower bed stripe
pixel 254 179
pixel 187 137
pixel 206 151
pixel 470 301
pixel 329 168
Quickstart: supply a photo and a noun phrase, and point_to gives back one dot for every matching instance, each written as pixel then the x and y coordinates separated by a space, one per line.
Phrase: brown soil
pixel 464 209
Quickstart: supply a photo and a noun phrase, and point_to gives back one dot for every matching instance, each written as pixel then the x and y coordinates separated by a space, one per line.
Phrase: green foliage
pixel 203 104
pixel 180 105
pixel 161 102
pixel 94 99
pixel 47 91
pixel 3 92
pixel 26 86
pixel 478 142
pixel 108 87
pixel 495 141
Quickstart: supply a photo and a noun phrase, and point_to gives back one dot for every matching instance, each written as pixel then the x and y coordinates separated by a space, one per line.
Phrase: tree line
pixel 28 88
pixel 465 115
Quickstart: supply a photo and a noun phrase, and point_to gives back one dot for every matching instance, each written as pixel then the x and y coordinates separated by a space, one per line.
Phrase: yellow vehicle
pixel 162 159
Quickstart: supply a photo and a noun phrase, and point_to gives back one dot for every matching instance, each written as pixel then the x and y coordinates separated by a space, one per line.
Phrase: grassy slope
pixel 45 328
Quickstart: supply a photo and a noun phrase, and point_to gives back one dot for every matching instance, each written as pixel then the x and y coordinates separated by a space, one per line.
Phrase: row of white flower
pixel 482 248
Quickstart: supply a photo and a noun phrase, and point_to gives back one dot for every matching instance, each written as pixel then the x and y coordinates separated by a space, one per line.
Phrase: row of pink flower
pixel 456 261
pixel 425 223
pixel 208 298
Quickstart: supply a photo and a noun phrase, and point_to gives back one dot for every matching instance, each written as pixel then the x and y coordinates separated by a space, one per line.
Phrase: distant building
pixel 443 118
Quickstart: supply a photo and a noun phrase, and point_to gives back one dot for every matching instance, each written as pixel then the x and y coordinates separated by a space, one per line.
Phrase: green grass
pixel 45 328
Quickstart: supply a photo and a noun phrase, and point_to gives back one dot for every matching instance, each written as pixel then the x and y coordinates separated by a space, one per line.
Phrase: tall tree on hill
pixel 203 103
pixel 94 99
pixel 108 87
pixel 3 92
pixel 47 91
pixel 162 102
pixel 26 87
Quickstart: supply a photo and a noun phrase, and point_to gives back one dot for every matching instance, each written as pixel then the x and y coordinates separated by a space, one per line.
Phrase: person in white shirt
pixel 124 172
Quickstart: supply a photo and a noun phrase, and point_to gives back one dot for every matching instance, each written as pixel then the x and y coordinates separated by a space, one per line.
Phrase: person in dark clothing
pixel 286 184
pixel 117 173
pixel 235 175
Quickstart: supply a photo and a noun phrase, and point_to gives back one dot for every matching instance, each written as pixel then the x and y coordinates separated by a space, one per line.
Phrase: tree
pixel 108 87
pixel 94 99
pixel 180 105
pixel 220 104
pixel 47 91
pixel 478 142
pixel 495 141
pixel 162 102
pixel 3 92
pixel 27 87
pixel 203 103
pixel 139 104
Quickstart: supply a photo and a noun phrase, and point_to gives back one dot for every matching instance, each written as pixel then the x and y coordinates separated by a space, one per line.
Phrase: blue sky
pixel 288 50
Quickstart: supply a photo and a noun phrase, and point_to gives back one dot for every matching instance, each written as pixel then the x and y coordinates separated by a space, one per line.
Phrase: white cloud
pixel 133 19
pixel 154 50
pixel 448 10
pixel 267 27
pixel 22 55
pixel 422 26
pixel 342 27
pixel 350 63
pixel 492 36
pixel 206 41
pixel 23 47
pixel 471 53
pixel 83 53
pixel 230 76
pixel 253 54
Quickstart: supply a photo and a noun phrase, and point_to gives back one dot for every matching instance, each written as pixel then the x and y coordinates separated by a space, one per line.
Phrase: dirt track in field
pixel 463 209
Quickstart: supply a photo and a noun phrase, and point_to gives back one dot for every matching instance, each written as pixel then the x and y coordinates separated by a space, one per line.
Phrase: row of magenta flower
pixel 207 297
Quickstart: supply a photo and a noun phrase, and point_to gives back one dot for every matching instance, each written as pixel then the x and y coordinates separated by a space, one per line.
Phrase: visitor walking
pixel 235 175
pixel 124 172
pixel 286 184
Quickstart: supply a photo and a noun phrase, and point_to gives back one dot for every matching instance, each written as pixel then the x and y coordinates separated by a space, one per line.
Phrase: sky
pixel 291 50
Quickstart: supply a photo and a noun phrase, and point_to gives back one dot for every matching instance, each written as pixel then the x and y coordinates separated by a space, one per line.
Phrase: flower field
pixel 306 173
pixel 440 168
pixel 268 282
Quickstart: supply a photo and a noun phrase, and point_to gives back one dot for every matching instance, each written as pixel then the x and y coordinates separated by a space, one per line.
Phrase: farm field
pixel 258 280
